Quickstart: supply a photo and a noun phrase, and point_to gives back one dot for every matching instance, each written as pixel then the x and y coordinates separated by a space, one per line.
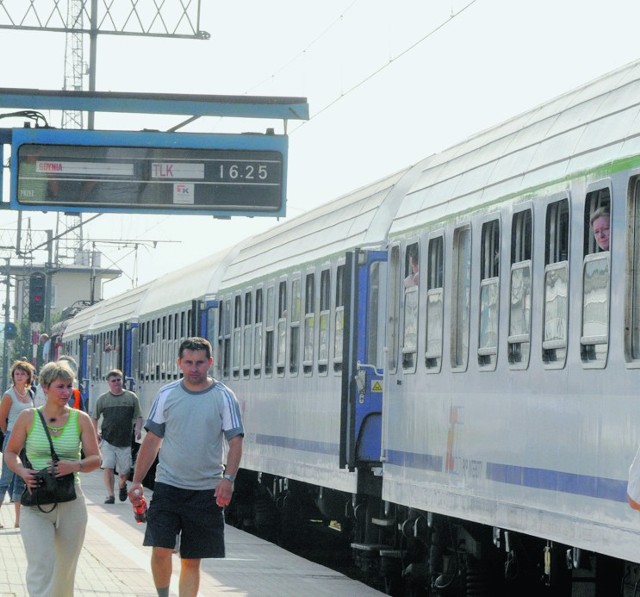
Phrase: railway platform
pixel 113 561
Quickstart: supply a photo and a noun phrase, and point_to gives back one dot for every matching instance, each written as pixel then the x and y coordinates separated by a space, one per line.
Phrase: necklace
pixel 55 430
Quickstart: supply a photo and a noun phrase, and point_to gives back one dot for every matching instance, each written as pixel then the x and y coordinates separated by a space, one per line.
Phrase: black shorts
pixel 193 514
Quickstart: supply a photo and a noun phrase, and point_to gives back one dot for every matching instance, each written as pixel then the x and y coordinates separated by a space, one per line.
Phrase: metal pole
pixel 48 270
pixel 7 314
pixel 93 52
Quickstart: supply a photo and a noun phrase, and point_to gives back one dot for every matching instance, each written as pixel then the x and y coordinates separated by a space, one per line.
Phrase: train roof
pixel 194 281
pixel 590 127
pixel 357 219
pixel 106 313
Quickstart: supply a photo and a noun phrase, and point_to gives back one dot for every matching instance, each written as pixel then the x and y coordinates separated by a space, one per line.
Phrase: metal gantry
pixel 180 18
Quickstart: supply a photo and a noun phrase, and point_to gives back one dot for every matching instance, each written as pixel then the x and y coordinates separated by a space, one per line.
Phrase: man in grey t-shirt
pixel 189 421
pixel 120 411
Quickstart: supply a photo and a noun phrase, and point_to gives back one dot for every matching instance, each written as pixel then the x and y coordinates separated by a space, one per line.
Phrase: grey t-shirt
pixel 193 426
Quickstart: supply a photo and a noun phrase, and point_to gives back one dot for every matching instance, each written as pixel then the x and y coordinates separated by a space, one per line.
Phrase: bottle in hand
pixel 139 507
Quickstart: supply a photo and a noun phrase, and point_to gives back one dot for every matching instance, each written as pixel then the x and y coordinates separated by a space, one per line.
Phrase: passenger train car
pixel 444 362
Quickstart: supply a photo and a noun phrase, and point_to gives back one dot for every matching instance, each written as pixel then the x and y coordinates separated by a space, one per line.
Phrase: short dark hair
pixel 196 343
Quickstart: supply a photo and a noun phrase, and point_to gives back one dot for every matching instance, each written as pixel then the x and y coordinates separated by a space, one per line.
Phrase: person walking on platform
pixel 17 398
pixel 53 536
pixel 75 400
pixel 188 423
pixel 120 411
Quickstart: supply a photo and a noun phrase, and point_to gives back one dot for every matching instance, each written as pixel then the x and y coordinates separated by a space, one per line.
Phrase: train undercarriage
pixel 407 552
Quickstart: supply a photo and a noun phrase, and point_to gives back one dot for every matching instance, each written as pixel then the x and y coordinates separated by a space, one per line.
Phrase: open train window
pixel 435 304
pixel 594 337
pixel 338 327
pixel 395 287
pixel 556 285
pixel 323 332
pixel 294 327
pixel 410 307
pixel 247 330
pixel 519 339
pixel 489 294
pixel 257 334
pixel 269 329
pixel 309 322
pixel 460 298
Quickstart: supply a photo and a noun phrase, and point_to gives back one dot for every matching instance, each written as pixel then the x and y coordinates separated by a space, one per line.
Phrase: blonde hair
pixel 55 370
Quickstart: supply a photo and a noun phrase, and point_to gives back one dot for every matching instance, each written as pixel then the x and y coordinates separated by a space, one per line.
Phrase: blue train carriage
pixel 282 338
pixel 511 410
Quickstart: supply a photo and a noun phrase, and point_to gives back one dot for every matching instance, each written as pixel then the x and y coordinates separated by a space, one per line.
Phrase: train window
pixel 632 311
pixel 460 298
pixel 556 284
pixel 294 327
pixel 323 333
pixel 596 221
pixel 338 337
pixel 269 328
pixel 163 347
pixel 489 294
pixel 309 322
pixel 395 284
pixel 246 332
pixel 594 338
pixel 376 322
pixel 519 339
pixel 257 335
pixel 226 338
pixel 435 304
pixel 410 308
pixel 237 335
pixel 213 319
pixel 281 344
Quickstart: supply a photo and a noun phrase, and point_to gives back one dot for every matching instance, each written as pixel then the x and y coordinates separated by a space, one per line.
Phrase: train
pixel 443 365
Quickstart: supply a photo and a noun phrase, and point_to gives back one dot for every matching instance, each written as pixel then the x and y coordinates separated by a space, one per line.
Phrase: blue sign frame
pixel 149 172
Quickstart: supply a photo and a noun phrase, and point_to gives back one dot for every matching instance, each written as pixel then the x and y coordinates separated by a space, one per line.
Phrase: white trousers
pixel 53 542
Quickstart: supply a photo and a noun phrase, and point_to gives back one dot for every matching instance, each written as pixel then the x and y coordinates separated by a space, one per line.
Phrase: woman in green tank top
pixel 70 430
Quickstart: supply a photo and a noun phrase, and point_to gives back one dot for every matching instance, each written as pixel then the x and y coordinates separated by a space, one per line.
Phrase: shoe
pixel 110 500
pixel 123 493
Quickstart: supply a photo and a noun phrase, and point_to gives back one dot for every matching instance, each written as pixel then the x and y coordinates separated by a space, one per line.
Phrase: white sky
pixel 493 60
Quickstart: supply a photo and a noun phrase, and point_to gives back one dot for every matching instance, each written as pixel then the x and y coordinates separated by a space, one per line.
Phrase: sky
pixel 387 85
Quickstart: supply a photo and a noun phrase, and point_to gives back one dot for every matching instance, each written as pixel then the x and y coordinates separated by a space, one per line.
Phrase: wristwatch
pixel 229 477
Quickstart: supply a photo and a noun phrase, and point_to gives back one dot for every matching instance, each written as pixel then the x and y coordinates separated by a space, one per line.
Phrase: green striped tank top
pixel 67 444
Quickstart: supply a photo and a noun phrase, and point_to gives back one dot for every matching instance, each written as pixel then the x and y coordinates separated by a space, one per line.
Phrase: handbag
pixel 50 490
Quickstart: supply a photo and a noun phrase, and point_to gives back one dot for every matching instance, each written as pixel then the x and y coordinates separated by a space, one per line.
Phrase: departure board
pixel 114 171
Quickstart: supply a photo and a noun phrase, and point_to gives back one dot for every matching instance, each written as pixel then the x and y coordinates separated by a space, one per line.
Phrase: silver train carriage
pixel 444 362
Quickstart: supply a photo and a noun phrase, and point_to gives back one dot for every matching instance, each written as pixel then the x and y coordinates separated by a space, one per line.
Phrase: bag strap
pixel 54 456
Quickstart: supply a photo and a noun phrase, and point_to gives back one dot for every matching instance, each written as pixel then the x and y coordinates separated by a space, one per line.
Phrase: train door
pixel 362 376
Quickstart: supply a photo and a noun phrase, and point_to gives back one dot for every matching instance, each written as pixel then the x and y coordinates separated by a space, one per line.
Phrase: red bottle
pixel 139 507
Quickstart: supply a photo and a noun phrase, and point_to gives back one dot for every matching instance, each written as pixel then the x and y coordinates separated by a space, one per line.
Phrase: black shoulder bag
pixel 50 490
